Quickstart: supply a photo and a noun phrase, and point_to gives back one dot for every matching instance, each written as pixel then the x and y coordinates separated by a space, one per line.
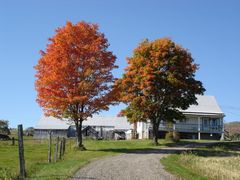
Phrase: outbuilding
pixel 101 127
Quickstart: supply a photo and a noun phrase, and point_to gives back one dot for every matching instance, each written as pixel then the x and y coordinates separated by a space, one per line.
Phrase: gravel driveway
pixel 141 165
pixel 138 165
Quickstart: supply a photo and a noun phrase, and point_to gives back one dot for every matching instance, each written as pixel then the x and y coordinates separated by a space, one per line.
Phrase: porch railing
pixel 184 127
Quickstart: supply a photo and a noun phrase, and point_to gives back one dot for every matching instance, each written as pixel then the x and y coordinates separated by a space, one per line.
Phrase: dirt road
pixel 138 165
pixel 141 165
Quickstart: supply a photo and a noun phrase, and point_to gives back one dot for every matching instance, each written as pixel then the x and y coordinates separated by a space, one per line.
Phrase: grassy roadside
pixel 219 161
pixel 174 165
pixel 36 157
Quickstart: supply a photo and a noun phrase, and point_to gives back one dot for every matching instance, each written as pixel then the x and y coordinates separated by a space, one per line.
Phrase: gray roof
pixel 51 123
pixel 117 122
pixel 206 105
pixel 110 121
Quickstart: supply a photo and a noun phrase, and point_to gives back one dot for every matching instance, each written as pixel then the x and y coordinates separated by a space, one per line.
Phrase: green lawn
pixel 36 152
pixel 36 156
pixel 219 161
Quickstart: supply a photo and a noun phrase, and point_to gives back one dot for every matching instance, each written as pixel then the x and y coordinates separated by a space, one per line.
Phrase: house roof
pixel 110 121
pixel 206 105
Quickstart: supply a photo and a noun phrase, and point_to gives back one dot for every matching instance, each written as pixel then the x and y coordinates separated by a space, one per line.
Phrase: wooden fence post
pixel 50 147
pixel 13 141
pixel 56 150
pixel 61 145
pixel 21 153
pixel 64 144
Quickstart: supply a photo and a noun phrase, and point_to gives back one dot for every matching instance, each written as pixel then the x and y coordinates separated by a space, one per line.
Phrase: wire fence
pixel 19 154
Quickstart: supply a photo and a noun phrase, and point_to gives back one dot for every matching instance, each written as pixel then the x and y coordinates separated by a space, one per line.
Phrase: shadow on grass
pixel 204 149
pixel 215 149
pixel 212 153
pixel 231 145
pixel 142 150
pixel 179 144
pixel 198 152
pixel 191 144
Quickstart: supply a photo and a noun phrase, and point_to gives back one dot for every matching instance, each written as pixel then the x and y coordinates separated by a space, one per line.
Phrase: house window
pixel 206 122
pixel 183 120
pixel 210 121
pixel 214 122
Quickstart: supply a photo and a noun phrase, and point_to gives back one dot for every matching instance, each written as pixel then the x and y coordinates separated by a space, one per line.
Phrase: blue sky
pixel 209 29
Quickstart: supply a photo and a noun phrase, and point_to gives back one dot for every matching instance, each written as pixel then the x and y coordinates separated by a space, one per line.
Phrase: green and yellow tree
pixel 159 80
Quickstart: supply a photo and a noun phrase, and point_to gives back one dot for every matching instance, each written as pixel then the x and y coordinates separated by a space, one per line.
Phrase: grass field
pixel 36 152
pixel 191 165
pixel 219 162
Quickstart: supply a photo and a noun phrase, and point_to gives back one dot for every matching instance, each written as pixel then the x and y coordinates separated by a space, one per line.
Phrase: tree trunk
pixel 155 132
pixel 79 135
pixel 135 130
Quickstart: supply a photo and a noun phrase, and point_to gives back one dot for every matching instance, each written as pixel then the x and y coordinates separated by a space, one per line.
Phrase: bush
pixel 4 129
pixel 235 137
pixel 29 131
pixel 4 137
pixel 173 136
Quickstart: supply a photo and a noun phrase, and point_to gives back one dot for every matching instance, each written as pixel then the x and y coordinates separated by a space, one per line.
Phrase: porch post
pixel 222 125
pixel 199 128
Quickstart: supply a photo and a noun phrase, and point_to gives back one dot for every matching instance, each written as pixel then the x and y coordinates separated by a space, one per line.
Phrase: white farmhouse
pixel 203 121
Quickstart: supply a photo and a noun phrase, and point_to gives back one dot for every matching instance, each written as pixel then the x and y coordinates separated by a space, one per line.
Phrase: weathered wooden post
pixel 61 145
pixel 13 141
pixel 50 147
pixel 64 144
pixel 56 150
pixel 21 153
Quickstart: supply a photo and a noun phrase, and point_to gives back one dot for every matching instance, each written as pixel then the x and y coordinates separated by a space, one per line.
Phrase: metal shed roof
pixel 117 122
pixel 51 123
pixel 110 121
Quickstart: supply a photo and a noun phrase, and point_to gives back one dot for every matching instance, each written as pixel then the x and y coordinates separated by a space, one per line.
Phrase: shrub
pixel 29 131
pixel 235 137
pixel 173 136
pixel 4 129
pixel 4 137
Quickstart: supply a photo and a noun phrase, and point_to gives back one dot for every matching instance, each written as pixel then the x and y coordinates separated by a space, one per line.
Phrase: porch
pixel 183 127
pixel 194 124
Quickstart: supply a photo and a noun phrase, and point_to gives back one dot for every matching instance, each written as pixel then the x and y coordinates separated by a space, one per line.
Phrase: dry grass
pixel 214 167
pixel 219 161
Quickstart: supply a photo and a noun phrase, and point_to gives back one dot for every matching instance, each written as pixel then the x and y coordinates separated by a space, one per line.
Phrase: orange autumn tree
pixel 74 74
pixel 159 80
